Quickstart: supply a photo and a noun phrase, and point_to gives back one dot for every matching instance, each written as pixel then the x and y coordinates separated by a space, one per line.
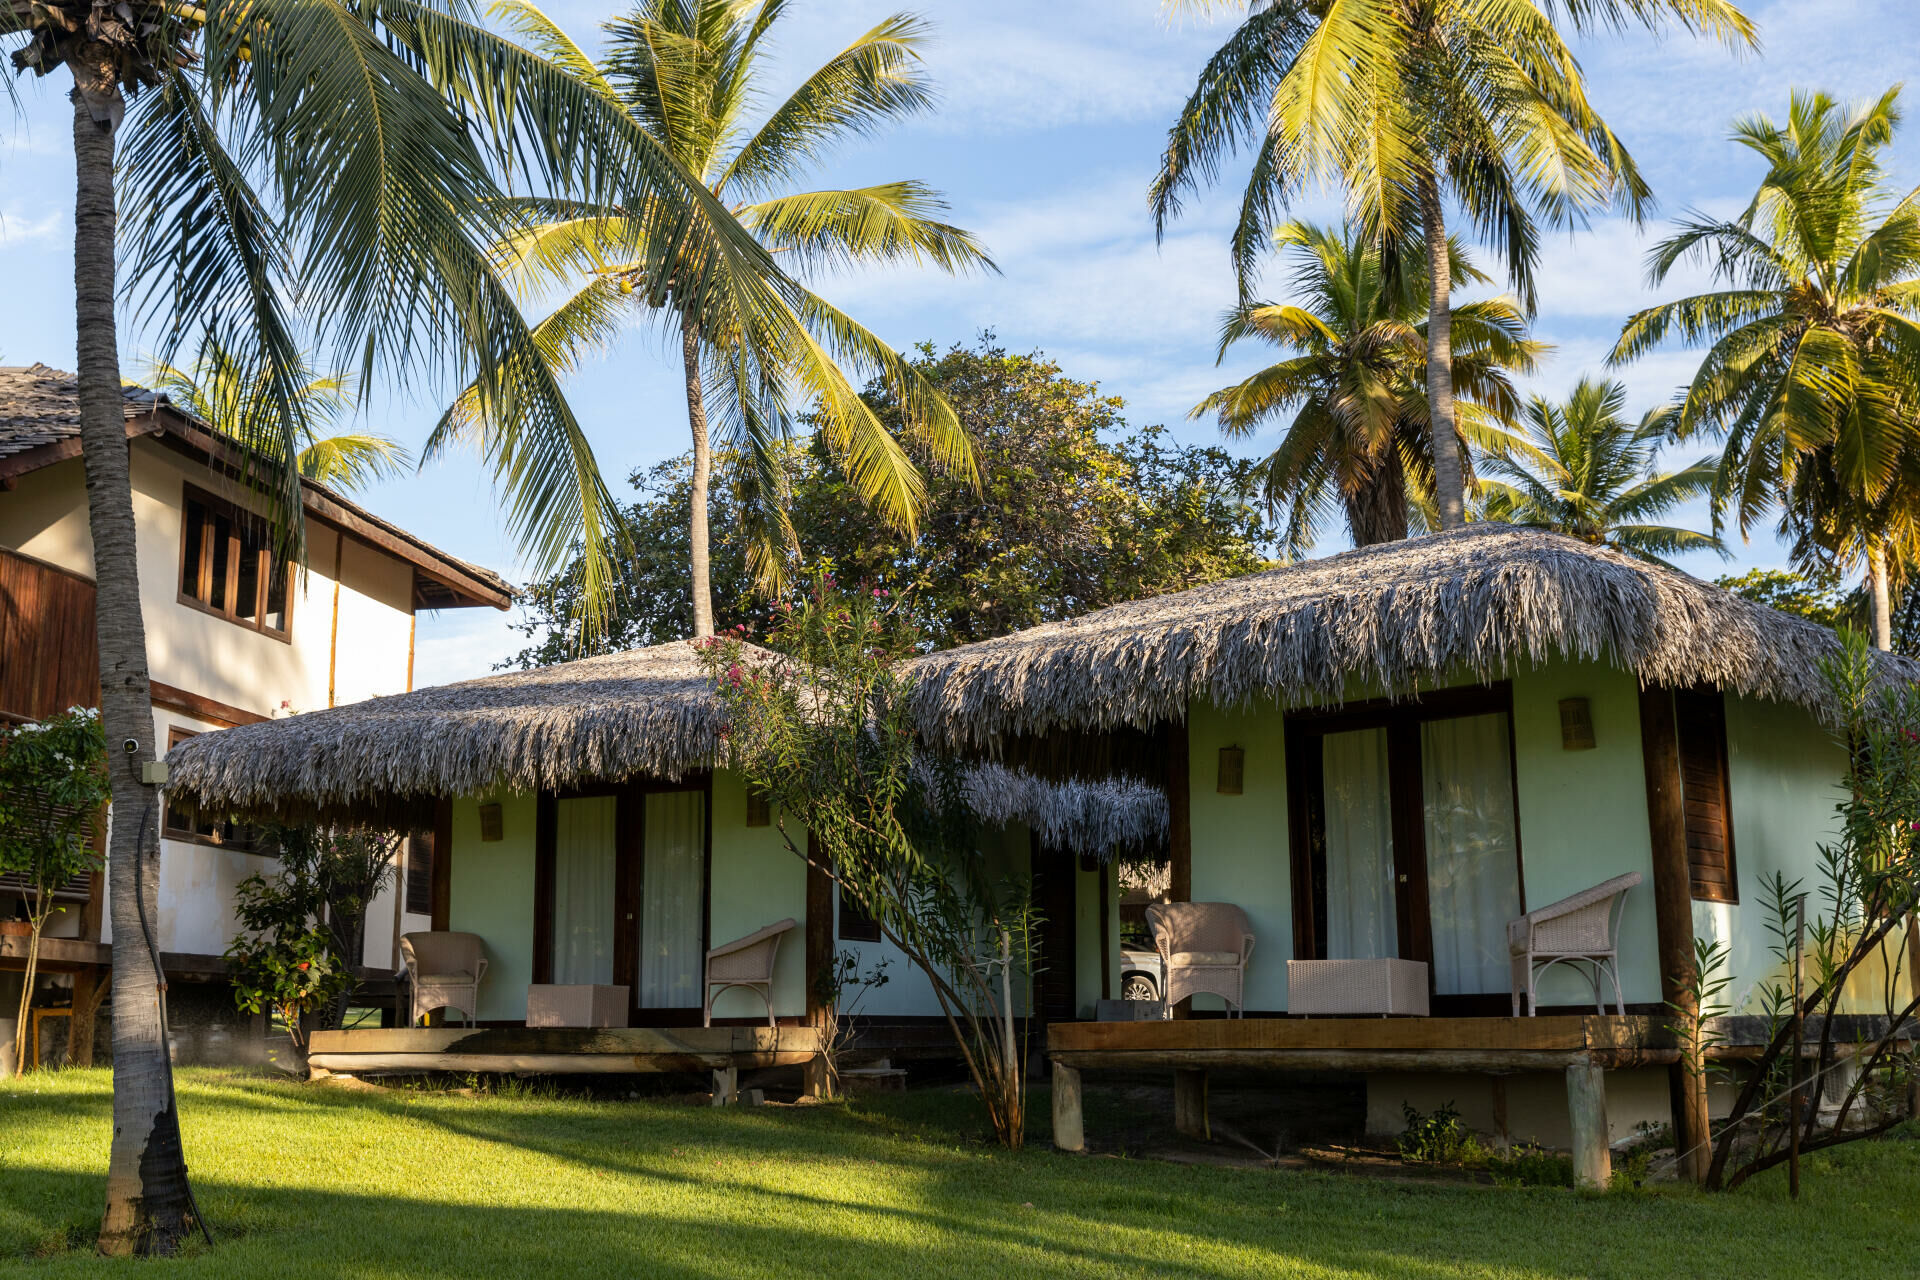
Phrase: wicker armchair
pixel 444 971
pixel 745 962
pixel 1583 929
pixel 1204 946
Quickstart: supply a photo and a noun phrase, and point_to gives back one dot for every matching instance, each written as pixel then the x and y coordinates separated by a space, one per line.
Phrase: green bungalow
pixel 1387 760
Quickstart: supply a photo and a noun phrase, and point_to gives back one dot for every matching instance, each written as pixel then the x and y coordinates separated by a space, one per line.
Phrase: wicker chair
pixel 1204 946
pixel 745 962
pixel 444 971
pixel 1583 929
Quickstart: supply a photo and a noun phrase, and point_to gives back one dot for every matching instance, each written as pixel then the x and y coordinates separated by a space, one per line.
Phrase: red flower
pixel 302 966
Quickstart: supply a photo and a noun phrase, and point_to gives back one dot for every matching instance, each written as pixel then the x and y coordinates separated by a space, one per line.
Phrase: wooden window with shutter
pixel 1701 720
pixel 419 877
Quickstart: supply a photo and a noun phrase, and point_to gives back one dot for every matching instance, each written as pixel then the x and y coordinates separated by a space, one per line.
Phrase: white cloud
pixel 460 644
pixel 17 228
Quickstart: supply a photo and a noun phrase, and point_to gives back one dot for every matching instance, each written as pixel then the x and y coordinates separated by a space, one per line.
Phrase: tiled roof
pixel 40 405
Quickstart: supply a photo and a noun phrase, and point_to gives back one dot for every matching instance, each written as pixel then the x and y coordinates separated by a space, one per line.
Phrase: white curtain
pixel 1361 922
pixel 583 853
pixel 672 910
pixel 1473 878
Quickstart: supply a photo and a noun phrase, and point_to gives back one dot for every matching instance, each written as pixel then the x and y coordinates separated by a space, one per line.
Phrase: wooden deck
pixel 562 1051
pixel 1366 1044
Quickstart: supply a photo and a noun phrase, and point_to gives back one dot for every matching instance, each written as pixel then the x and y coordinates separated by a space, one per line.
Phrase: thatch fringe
pixel 1100 818
pixel 1474 604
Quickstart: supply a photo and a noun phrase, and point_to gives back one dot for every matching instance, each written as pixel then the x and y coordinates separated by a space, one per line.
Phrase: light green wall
pixel 1088 961
pixel 756 882
pixel 1583 819
pixel 1240 850
pixel 1583 814
pixel 490 892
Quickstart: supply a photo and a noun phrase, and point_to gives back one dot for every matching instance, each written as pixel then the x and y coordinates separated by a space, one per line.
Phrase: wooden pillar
pixel 814 1082
pixel 1587 1117
pixel 1179 781
pixel 726 1086
pixel 819 939
pixel 442 877
pixel 1190 1104
pixel 1069 1128
pixel 89 989
pixel 1673 914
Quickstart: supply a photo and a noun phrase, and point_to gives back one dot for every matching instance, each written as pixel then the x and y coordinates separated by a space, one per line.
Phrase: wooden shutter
pixel 48 660
pixel 1701 721
pixel 420 873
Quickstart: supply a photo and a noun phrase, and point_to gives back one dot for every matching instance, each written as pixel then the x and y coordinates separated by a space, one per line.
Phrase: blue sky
pixel 1053 115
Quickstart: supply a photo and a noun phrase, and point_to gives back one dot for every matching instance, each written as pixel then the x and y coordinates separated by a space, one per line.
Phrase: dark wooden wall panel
pixel 48 655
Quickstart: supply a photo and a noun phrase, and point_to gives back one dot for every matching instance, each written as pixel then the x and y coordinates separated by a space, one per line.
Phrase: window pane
pixel 672 910
pixel 583 853
pixel 275 617
pixel 221 533
pixel 1362 923
pixel 1473 872
pixel 193 534
pixel 246 591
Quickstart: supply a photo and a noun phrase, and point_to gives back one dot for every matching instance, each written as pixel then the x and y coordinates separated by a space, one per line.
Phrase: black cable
pixel 141 848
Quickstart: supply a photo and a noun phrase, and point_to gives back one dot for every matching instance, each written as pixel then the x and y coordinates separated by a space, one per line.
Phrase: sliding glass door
pixel 621 895
pixel 1405 838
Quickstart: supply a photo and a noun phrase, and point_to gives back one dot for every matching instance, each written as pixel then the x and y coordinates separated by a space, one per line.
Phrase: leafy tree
pixel 1815 596
pixel 688 72
pixel 1359 438
pixel 1812 368
pixel 218 389
pixel 53 785
pixel 349 157
pixel 304 930
pixel 831 741
pixel 1578 467
pixel 1402 104
pixel 1074 511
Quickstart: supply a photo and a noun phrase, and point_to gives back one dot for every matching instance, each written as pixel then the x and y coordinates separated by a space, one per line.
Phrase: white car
pixel 1141 977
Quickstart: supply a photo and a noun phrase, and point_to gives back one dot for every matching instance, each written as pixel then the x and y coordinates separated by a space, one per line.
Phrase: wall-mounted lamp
pixel 1576 725
pixel 492 826
pixel 759 809
pixel 1233 769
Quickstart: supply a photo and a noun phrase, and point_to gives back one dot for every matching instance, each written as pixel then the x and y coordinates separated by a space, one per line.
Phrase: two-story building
pixel 234 636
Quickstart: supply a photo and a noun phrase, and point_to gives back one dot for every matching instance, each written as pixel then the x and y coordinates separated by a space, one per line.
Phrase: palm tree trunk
pixel 1377 511
pixel 698 557
pixel 1882 597
pixel 1449 476
pixel 148 1205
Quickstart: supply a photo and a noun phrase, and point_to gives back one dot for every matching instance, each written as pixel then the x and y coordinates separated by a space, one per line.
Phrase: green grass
pixel 316 1181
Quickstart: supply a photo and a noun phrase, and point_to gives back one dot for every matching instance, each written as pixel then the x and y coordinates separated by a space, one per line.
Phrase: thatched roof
pixel 1474 604
pixel 641 712
pixel 644 712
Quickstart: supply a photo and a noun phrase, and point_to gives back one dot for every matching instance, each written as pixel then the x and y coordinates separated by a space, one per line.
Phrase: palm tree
pixel 1359 435
pixel 1578 467
pixel 688 72
pixel 1812 367
pixel 345 156
pixel 217 389
pixel 1404 103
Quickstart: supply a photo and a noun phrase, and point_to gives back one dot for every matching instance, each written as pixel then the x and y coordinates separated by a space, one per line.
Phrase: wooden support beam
pixel 1587 1117
pixel 726 1086
pixel 1069 1126
pixel 819 935
pixel 1673 913
pixel 815 1082
pixel 1179 780
pixel 1200 1060
pixel 441 878
pixel 1190 1103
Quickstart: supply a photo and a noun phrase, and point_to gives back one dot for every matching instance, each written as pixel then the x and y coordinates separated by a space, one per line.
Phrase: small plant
pixel 838 1010
pixel 1439 1138
pixel 53 785
pixel 1526 1165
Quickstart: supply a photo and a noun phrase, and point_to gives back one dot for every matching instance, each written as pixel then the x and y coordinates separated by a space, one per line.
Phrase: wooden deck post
pixel 1179 781
pixel 1190 1104
pixel 1587 1116
pixel 1673 914
pixel 814 1083
pixel 1069 1126
pixel 726 1086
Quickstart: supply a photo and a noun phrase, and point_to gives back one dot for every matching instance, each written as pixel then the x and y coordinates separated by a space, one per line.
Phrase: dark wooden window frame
pixel 629 826
pixel 1306 822
pixel 852 922
pixel 237 518
pixel 416 876
pixel 1697 888
pixel 241 839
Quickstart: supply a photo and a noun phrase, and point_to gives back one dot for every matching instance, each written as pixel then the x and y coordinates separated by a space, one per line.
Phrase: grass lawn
pixel 326 1181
